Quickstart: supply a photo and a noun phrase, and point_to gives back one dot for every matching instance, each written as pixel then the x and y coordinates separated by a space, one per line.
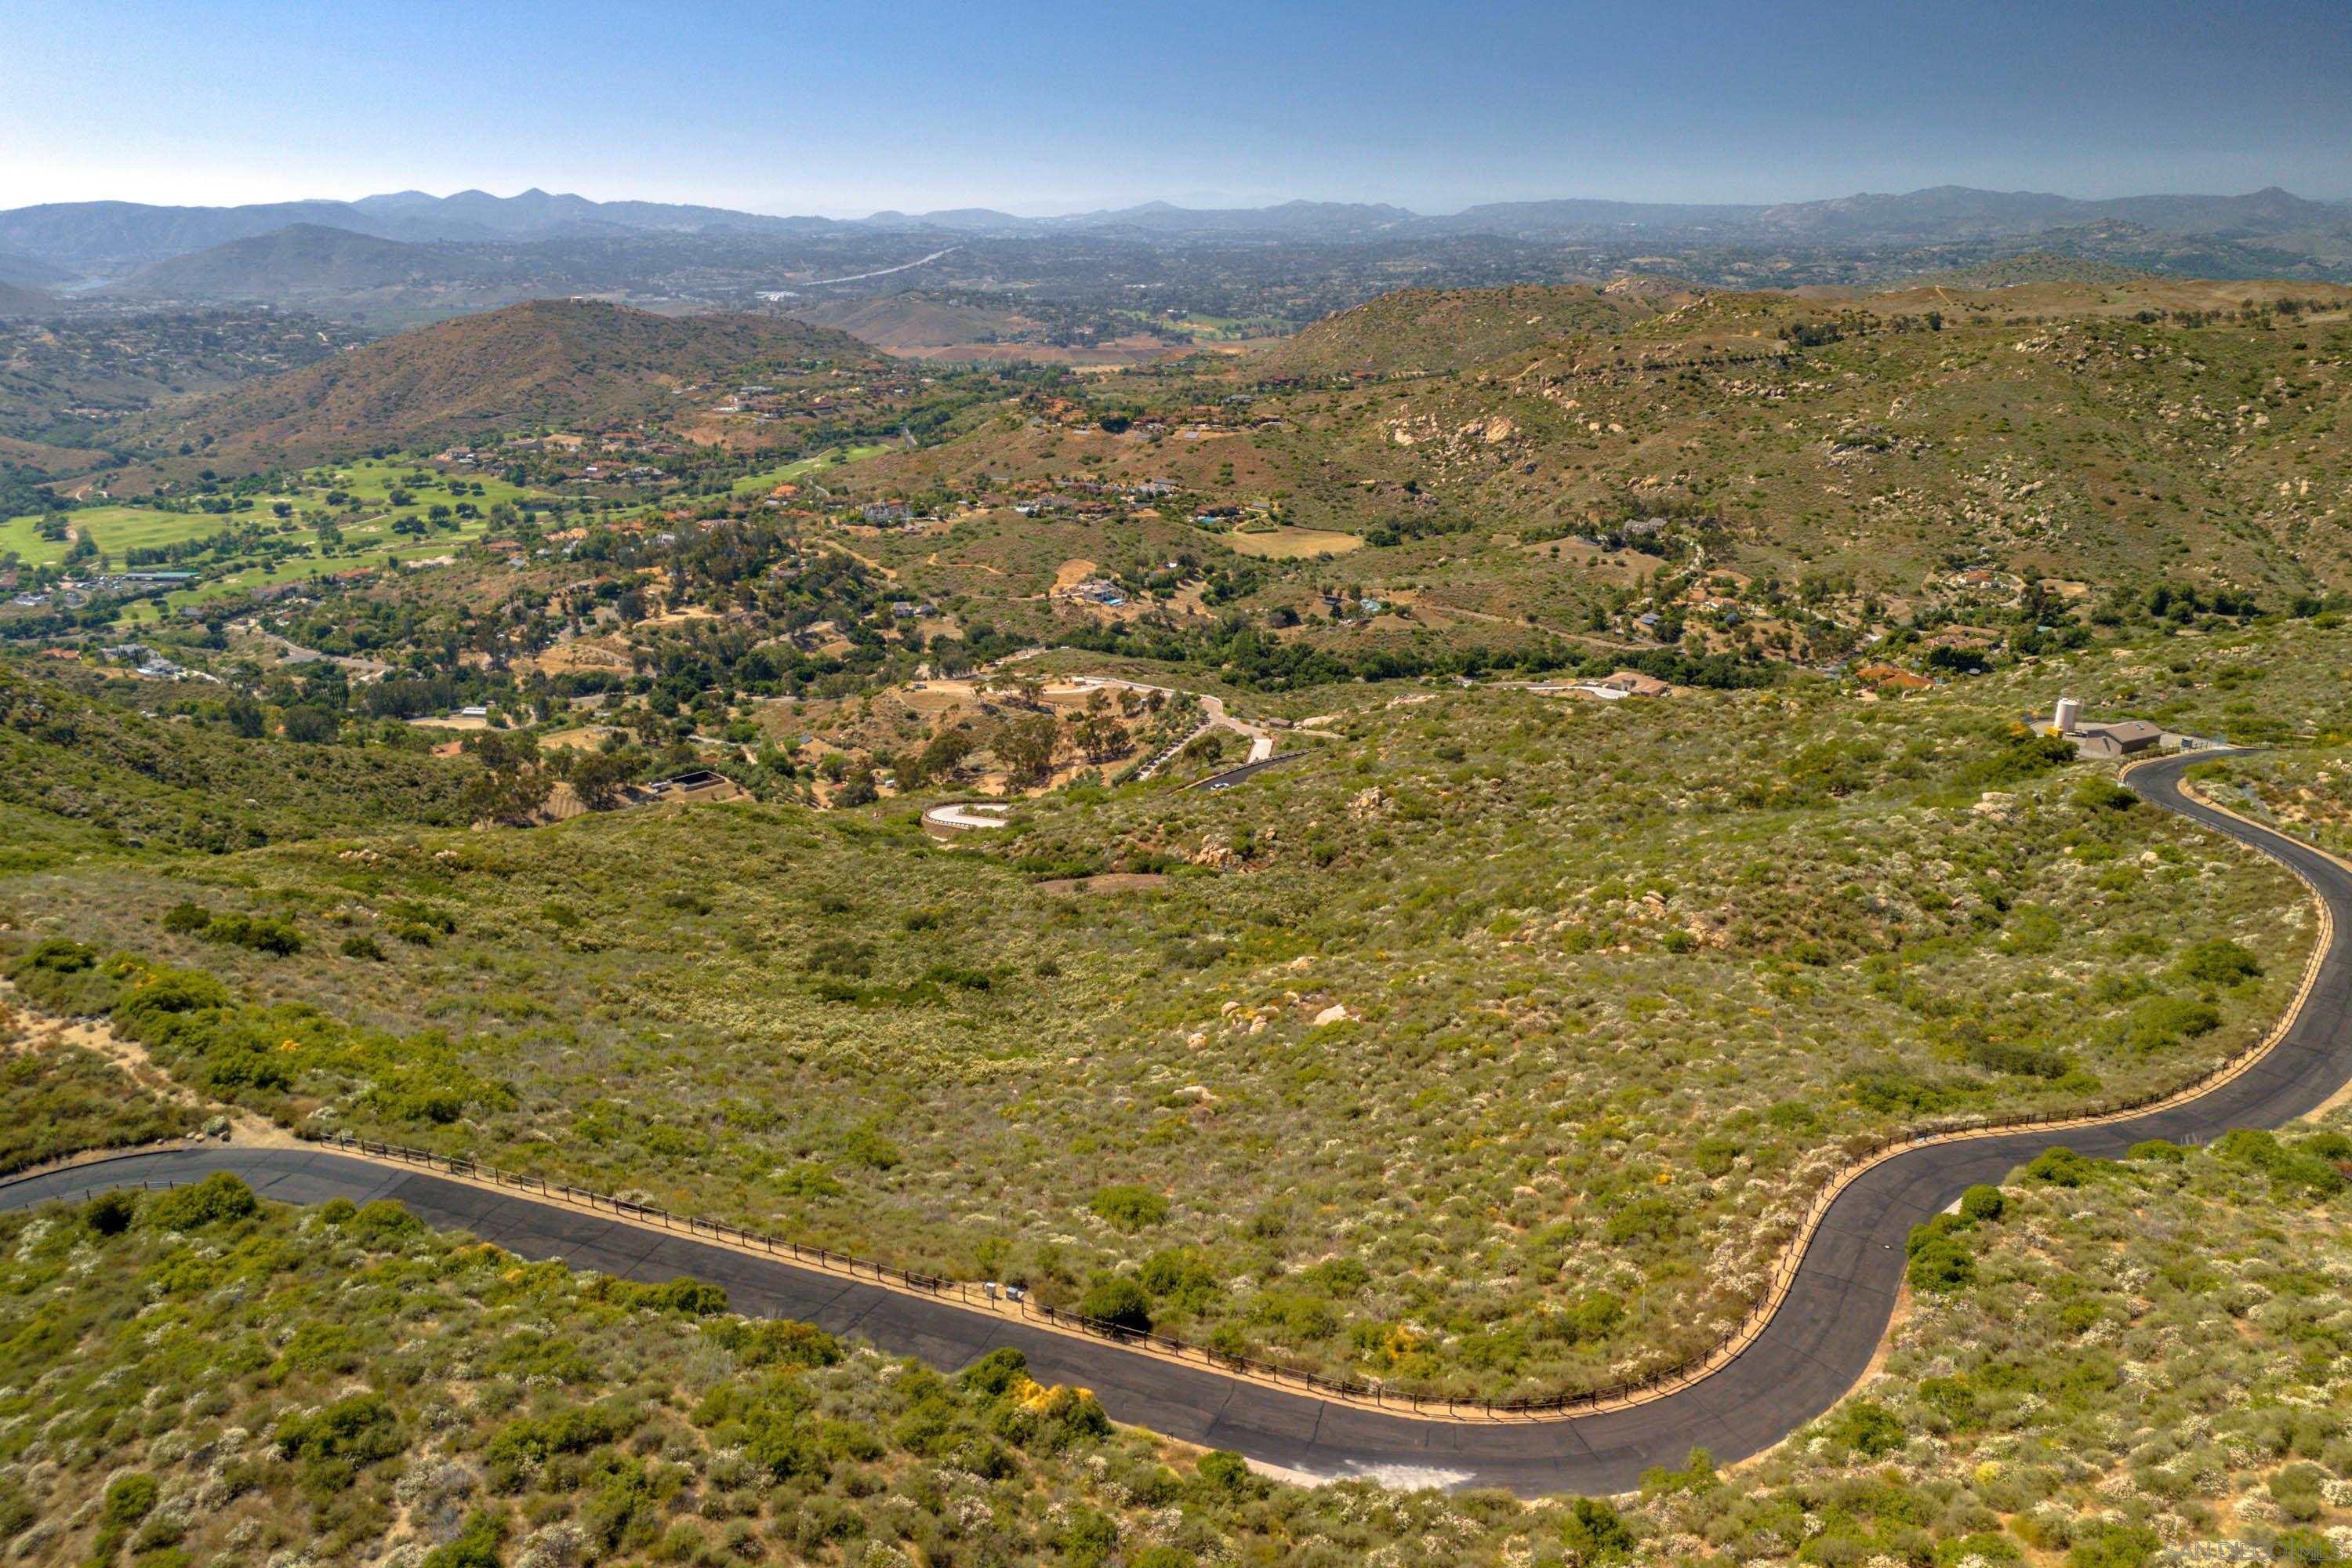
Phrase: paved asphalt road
pixel 1811 1352
pixel 1233 776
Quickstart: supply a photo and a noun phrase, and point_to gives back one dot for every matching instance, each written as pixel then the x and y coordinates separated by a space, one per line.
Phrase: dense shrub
pixel 63 1100
pixel 335 1443
pixel 2161 1022
pixel 2060 1166
pixel 2012 754
pixel 64 978
pixel 218 1198
pixel 476 1546
pixel 1938 1262
pixel 130 1499
pixel 362 1428
pixel 994 1372
pixel 1594 1534
pixel 575 1430
pixel 686 1297
pixel 1117 1300
pixel 2296 1167
pixel 1129 1207
pixel 2219 963
pixel 1868 1427
pixel 261 934
pixel 2104 1545
pixel 381 1223
pixel 186 918
pixel 1982 1204
pixel 2101 794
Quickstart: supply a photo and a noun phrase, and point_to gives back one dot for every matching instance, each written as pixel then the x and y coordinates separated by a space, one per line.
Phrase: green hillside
pixel 1419 332
pixel 545 363
pixel 80 775
pixel 2071 1384
pixel 1824 467
pixel 1497 1008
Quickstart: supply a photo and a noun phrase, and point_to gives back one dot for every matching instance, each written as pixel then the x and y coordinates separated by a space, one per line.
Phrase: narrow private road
pixel 1810 1352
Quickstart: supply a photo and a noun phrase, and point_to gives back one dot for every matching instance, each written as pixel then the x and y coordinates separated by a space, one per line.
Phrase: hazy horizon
pixel 1190 201
pixel 825 108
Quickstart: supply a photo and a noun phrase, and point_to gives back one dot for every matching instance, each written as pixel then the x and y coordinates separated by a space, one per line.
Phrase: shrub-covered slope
pixel 548 361
pixel 1495 1047
pixel 2100 1362
pixel 80 773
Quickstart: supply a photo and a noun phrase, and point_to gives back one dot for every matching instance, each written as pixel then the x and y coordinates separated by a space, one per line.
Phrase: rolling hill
pixel 1874 448
pixel 2108 432
pixel 546 362
pixel 2025 267
pixel 18 300
pixel 26 272
pixel 914 323
pixel 309 263
pixel 118 237
pixel 1420 332
pixel 81 773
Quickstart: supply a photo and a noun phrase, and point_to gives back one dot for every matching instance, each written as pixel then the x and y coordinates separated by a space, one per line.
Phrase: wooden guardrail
pixel 1861 1159
pixel 1862 1155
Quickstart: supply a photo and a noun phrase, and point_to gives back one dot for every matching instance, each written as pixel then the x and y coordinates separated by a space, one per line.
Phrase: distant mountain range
pixel 104 239
pixel 115 239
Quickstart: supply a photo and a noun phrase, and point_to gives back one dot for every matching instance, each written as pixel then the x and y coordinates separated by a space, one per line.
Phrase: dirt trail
pixel 131 1058
pixel 862 559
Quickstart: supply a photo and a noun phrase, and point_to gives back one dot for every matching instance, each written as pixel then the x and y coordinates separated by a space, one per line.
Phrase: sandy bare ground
pixel 1294 543
pixel 42 1030
pixel 1105 882
pixel 579 655
pixel 580 738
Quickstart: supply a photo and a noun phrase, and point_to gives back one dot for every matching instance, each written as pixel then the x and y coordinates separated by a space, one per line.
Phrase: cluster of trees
pixel 1243 653
pixel 24 490
pixel 1431 524
pixel 517 777
pixel 2188 601
pixel 1026 745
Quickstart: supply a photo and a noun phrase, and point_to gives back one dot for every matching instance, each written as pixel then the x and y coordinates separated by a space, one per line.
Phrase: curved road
pixel 960 813
pixel 1810 1352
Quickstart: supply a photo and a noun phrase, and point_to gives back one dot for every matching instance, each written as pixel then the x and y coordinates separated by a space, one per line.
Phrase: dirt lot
pixel 574 657
pixel 1294 543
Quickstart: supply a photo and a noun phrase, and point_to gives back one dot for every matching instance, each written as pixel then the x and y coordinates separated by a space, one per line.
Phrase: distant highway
pixel 861 276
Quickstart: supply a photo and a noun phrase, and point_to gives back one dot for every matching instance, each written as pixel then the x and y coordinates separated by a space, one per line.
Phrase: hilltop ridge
pixel 308 261
pixel 1423 331
pixel 545 362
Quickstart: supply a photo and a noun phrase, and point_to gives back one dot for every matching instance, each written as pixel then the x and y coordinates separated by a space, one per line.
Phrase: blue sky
pixel 845 108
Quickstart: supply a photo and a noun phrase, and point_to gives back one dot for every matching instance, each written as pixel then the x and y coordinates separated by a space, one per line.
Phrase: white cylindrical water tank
pixel 2069 713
